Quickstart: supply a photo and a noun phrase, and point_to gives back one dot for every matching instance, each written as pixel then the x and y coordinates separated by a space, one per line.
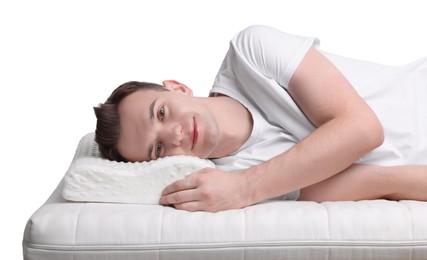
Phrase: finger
pixel 189 206
pixel 179 185
pixel 179 197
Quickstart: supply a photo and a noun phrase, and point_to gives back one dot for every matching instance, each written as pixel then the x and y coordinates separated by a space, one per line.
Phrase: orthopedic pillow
pixel 91 178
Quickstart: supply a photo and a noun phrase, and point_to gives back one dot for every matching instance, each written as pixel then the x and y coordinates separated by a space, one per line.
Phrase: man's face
pixel 156 124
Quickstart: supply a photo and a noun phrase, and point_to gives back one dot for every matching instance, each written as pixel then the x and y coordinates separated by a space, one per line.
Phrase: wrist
pixel 252 192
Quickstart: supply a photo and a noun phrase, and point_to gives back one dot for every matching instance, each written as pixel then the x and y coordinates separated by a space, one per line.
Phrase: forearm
pixel 361 182
pixel 409 182
pixel 329 150
pixel 357 182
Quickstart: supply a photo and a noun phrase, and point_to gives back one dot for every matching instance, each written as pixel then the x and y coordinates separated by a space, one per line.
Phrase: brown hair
pixel 107 131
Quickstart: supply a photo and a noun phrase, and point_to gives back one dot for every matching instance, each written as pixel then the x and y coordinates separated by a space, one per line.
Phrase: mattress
pixel 377 229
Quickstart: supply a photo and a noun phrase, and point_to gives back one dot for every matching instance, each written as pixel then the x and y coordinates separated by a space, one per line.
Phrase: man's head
pixel 107 131
pixel 145 121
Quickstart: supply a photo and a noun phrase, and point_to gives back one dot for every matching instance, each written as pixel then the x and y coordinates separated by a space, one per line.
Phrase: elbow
pixel 373 136
pixel 380 135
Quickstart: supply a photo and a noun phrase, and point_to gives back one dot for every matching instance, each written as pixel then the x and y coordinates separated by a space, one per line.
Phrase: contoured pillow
pixel 91 178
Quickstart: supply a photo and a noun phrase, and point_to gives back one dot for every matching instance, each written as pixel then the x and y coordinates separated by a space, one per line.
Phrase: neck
pixel 235 124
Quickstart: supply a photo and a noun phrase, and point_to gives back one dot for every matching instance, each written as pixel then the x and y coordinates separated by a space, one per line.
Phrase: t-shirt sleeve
pixel 271 52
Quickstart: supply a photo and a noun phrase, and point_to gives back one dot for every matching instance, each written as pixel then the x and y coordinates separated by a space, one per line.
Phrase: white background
pixel 60 58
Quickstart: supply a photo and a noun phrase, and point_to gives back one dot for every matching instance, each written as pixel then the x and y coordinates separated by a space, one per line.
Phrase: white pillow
pixel 91 178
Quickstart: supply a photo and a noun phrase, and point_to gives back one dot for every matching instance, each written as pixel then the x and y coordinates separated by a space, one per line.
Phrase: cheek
pixel 176 151
pixel 130 152
pixel 209 140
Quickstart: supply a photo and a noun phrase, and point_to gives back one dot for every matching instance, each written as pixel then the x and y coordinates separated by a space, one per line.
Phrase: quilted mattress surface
pixel 378 229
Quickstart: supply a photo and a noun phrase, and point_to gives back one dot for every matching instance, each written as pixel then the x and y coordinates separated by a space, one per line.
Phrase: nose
pixel 176 134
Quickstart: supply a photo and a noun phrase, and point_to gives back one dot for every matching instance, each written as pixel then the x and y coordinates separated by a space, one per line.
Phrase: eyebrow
pixel 151 110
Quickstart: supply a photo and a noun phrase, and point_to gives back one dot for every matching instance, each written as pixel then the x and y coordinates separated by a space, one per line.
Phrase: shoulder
pixel 264 33
pixel 254 42
pixel 267 40
pixel 256 31
pixel 253 34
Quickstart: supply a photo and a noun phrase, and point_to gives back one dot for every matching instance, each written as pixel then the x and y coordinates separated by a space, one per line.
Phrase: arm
pixel 347 129
pixel 364 182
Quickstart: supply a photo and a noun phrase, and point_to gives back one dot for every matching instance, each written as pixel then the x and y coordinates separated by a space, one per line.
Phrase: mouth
pixel 194 134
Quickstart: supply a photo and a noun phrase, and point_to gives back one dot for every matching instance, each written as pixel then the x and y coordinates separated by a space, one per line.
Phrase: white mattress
pixel 378 229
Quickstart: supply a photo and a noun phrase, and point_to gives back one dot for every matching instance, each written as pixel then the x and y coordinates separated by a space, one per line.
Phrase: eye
pixel 161 113
pixel 158 149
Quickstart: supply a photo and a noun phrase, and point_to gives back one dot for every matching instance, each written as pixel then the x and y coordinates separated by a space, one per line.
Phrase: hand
pixel 208 189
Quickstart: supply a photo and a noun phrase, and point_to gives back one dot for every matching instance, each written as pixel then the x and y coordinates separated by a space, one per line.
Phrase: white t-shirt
pixel 257 69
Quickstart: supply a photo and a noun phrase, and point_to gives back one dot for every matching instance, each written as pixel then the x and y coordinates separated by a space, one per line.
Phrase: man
pixel 285 120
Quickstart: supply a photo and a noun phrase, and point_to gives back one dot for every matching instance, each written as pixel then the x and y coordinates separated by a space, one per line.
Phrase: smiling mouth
pixel 195 134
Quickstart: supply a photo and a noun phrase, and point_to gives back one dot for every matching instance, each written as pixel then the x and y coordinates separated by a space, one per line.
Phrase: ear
pixel 174 85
